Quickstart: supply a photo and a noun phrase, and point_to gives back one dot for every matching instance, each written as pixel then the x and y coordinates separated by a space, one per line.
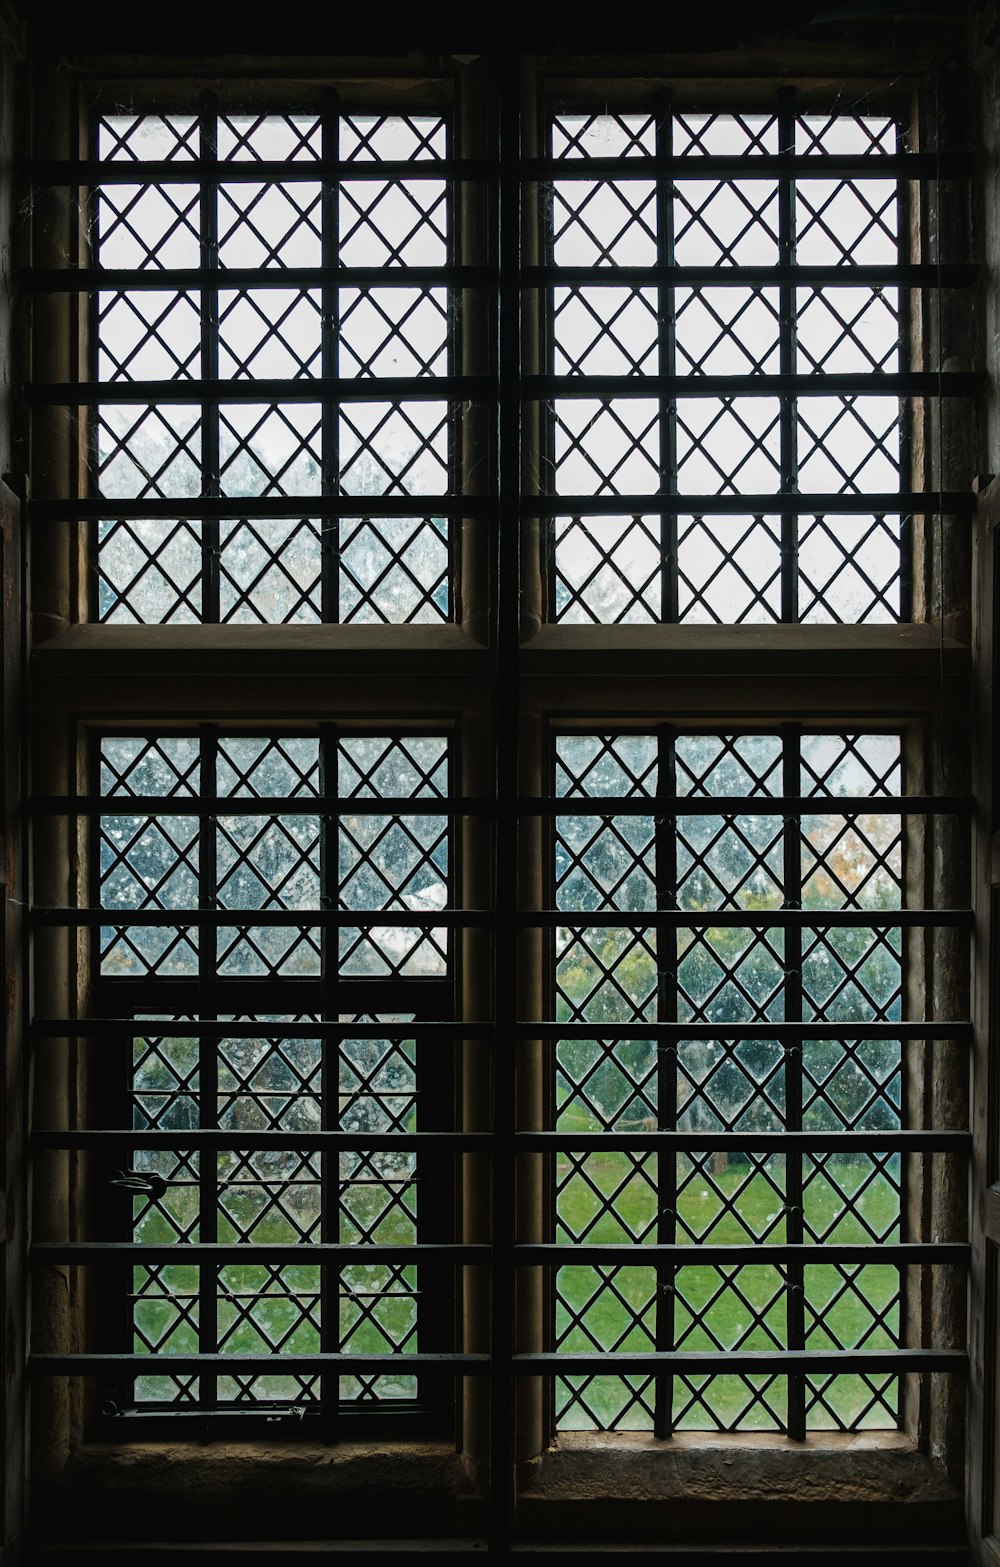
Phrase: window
pixel 455 1016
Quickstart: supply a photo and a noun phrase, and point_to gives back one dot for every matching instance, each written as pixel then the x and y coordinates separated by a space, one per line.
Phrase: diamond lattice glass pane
pixel 272 138
pixel 148 335
pixel 267 450
pixel 270 571
pixel 727 331
pixel 849 445
pixel 148 862
pixel 608 570
pixel 725 222
pixel 393 331
pixel 148 452
pixel 847 330
pixel 603 222
pixel 394 570
pixel 271 333
pixel 728 570
pixel 398 221
pixel 394 448
pixel 149 572
pixel 268 862
pixel 270 225
pixel 606 448
pixel 165 1321
pixel 379 1303
pixel 849 569
pixel 724 135
pixel 394 861
pixel 605 331
pixel 728 445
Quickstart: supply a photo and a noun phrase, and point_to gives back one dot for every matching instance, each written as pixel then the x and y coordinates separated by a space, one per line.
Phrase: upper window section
pixel 250 305
pixel 726 443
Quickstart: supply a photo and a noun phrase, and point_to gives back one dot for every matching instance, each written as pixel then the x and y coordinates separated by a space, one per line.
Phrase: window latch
pixel 146 1182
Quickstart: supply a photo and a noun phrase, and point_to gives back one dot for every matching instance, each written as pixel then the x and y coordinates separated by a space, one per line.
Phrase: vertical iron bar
pixel 506 545
pixel 905 327
pixel 665 850
pixel 788 455
pixel 667 358
pixel 208 1066
pixel 210 477
pixel 329 1286
pixel 330 338
pixel 794 1222
pixel 545 427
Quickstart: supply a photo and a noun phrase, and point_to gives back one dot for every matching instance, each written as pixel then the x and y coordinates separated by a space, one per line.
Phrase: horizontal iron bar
pixel 184 391
pixel 754 805
pixel 245 919
pixel 528 805
pixel 880 503
pixel 202 1137
pixel 900 1254
pixel 880 383
pixel 763 1029
pixel 257 805
pixel 750 919
pixel 779 1362
pixel 263 171
pixel 172 1028
pixel 906 274
pixel 818 1141
pixel 755 165
pixel 55 280
pixel 186 1253
pixel 288 1365
pixel 271 507
pixel 307 389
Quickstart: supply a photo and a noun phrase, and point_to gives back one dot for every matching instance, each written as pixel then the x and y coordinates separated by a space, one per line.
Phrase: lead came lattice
pixel 747 861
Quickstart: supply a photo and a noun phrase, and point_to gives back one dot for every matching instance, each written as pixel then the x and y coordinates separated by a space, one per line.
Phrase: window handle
pixel 143 1181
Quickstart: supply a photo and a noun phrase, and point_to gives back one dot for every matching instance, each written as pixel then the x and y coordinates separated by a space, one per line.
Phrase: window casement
pixel 494 849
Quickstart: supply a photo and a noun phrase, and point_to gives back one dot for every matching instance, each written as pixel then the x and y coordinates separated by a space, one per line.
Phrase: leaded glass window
pixel 268 1022
pixel 723 425
pixel 684 830
pixel 249 386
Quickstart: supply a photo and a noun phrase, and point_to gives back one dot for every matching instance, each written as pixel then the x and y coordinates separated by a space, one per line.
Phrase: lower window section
pixel 732 1185
pixel 280 1075
pixel 277 1197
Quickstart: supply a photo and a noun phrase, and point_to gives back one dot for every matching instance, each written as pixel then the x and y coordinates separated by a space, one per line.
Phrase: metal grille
pixel 739 860
pixel 710 341
pixel 255 325
pixel 221 841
